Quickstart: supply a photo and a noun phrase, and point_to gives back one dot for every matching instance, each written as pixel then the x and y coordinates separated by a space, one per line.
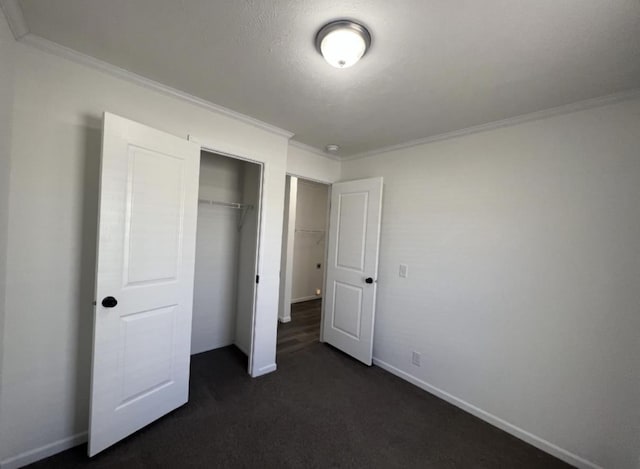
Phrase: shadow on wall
pixel 92 144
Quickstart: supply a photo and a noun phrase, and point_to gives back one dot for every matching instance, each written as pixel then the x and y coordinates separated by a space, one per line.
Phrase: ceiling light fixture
pixel 332 148
pixel 343 42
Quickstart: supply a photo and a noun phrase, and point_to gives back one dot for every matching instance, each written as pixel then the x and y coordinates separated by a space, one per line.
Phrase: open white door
pixel 144 281
pixel 352 267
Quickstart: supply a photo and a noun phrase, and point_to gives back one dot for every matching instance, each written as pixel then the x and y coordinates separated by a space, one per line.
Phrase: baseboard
pixel 42 452
pixel 264 370
pixel 285 320
pixel 524 435
pixel 306 298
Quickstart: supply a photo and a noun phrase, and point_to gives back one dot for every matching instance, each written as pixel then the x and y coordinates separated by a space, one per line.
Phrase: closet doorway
pixel 303 256
pixel 226 254
pixel 176 227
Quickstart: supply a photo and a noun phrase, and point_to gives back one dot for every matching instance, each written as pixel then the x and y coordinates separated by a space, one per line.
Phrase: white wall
pixel 524 272
pixel 7 65
pixel 310 165
pixel 308 251
pixel 215 284
pixel 288 237
pixel 247 257
pixel 521 243
pixel 55 151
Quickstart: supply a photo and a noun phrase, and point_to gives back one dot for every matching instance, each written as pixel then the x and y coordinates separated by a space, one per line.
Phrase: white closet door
pixel 144 282
pixel 352 267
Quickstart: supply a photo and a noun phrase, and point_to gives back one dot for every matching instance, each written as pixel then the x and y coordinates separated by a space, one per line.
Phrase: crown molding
pixel 13 12
pixel 314 150
pixel 511 121
pixel 15 18
pixel 113 70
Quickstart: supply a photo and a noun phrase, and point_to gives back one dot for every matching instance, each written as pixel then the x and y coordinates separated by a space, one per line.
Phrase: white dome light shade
pixel 342 48
pixel 342 43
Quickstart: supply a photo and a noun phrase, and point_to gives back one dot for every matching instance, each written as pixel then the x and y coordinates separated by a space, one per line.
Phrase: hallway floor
pixel 304 328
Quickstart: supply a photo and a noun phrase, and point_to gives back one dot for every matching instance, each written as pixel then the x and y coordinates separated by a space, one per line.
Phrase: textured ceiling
pixel 435 66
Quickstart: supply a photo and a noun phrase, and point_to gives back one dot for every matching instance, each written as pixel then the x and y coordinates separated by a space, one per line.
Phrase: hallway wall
pixel 309 240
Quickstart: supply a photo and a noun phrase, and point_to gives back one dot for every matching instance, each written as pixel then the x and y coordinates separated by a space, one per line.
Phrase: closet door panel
pixel 144 279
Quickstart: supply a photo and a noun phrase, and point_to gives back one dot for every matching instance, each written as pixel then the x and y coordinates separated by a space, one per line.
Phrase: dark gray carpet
pixel 320 409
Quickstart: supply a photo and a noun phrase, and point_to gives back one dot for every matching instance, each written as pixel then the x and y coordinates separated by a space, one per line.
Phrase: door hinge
pixel 257 279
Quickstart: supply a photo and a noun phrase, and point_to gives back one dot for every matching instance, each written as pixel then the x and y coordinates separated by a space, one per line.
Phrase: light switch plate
pixel 404 270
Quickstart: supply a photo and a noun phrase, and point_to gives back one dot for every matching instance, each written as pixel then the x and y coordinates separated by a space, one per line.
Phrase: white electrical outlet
pixel 404 270
pixel 415 358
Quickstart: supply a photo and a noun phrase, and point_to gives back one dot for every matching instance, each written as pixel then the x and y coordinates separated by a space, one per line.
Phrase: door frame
pixel 210 149
pixel 283 274
pixel 283 263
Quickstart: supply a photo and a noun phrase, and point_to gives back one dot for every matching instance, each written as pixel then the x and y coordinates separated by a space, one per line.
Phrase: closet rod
pixel 226 204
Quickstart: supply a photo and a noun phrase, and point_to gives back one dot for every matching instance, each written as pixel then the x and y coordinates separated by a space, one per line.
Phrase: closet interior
pixel 226 253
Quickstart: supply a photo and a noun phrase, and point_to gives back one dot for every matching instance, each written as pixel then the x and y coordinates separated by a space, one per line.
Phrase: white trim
pixel 264 370
pixel 510 428
pixel 325 257
pixel 13 12
pixel 286 255
pixel 212 149
pixel 78 57
pixel 314 150
pixel 511 121
pixel 285 320
pixel 20 29
pixel 306 298
pixel 260 222
pixel 324 182
pixel 45 451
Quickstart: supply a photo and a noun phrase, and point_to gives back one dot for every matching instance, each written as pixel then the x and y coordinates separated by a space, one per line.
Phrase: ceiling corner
pixel 13 12
pixel 314 150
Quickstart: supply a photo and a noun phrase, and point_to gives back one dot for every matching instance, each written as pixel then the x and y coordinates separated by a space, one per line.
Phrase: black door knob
pixel 368 280
pixel 109 302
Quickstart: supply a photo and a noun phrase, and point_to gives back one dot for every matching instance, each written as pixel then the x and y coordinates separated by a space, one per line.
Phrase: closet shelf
pixel 319 232
pixel 233 205
pixel 220 203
